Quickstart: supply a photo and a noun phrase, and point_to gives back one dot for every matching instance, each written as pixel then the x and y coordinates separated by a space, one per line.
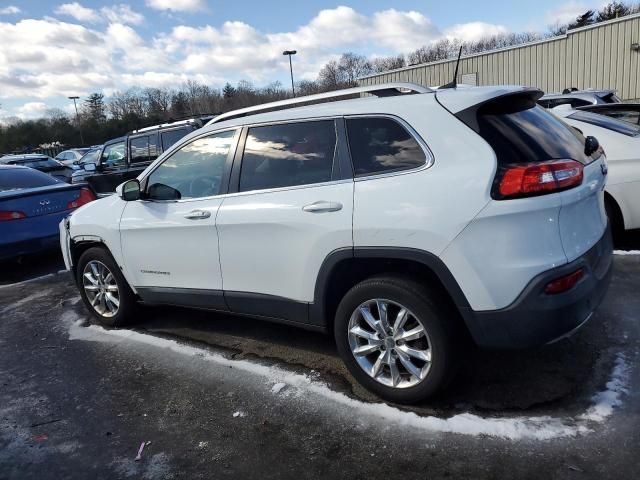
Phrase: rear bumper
pixel 536 318
pixel 25 247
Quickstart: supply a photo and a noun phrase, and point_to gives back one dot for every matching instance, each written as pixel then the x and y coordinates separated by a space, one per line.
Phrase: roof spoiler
pixel 509 99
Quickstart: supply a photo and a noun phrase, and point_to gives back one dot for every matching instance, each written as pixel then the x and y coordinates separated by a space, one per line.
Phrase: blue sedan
pixel 32 204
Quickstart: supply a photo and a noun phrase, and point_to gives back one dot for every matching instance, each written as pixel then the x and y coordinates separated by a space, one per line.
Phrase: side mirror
pixel 89 167
pixel 591 145
pixel 129 190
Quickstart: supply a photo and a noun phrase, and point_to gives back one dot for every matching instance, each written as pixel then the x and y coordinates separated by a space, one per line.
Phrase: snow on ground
pixel 532 427
pixel 626 252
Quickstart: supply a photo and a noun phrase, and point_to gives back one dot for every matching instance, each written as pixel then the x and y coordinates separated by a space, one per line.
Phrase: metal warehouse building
pixel 605 55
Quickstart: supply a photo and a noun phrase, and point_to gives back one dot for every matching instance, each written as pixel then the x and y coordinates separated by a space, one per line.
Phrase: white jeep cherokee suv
pixel 402 222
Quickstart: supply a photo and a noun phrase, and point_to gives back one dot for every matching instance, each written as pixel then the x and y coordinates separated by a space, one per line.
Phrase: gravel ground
pixel 225 396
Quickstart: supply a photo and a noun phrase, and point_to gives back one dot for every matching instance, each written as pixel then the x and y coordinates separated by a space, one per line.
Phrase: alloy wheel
pixel 101 288
pixel 389 343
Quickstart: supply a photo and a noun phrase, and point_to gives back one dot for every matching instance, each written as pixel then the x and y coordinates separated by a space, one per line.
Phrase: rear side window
pixel 170 137
pixel 606 122
pixel 288 155
pixel 519 131
pixel 19 178
pixel 139 149
pixel 380 145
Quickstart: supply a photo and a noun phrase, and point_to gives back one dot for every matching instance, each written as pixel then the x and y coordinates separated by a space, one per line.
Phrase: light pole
pixel 290 53
pixel 77 118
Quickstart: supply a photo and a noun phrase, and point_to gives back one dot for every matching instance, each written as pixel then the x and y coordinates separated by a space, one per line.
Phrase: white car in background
pixel 69 157
pixel 621 143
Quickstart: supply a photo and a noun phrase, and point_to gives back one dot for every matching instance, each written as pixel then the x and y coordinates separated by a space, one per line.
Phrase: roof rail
pixel 381 90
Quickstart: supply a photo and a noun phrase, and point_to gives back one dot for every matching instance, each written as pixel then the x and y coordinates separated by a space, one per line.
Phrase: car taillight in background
pixel 86 196
pixel 527 180
pixel 6 216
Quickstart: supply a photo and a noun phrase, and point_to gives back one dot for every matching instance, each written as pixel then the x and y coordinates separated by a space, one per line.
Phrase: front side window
pixel 288 154
pixel 113 155
pixel 193 171
pixel 380 145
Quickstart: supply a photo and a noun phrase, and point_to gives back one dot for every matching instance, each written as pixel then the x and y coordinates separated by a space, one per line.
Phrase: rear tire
pixel 424 362
pixel 103 288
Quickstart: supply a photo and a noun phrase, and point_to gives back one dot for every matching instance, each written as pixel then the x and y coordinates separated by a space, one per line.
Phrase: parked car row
pixel 403 223
pixel 123 158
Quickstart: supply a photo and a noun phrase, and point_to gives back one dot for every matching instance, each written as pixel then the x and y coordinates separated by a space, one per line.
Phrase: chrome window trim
pixel 429 157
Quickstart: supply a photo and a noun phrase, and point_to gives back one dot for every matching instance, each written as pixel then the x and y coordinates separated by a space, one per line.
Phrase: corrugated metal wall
pixel 598 56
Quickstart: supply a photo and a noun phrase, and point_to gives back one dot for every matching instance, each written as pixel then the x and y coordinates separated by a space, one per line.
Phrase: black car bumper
pixel 536 318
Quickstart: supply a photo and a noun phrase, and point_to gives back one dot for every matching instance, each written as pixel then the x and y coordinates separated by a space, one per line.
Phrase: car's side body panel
pixel 423 208
pixel 623 163
pixel 270 245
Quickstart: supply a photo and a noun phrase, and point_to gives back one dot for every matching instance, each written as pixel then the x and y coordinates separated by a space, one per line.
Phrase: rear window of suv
pixel 381 145
pixel 520 131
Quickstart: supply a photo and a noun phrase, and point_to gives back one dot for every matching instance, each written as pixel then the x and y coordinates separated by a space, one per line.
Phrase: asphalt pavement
pixel 214 396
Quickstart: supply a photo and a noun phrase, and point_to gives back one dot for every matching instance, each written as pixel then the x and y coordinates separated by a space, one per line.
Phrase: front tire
pixel 396 338
pixel 103 288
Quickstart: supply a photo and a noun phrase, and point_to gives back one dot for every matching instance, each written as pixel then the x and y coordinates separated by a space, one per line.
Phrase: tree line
pixel 101 118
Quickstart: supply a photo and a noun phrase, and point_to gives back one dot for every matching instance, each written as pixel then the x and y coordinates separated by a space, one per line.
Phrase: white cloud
pixel 122 13
pixel 566 13
pixel 10 10
pixel 474 31
pixel 32 110
pixel 103 50
pixel 77 11
pixel 178 5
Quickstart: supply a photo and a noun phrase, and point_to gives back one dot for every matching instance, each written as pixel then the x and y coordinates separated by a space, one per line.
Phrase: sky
pixel 50 50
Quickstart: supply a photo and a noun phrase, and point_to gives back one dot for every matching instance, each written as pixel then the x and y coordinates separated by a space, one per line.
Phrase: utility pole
pixel 77 118
pixel 289 53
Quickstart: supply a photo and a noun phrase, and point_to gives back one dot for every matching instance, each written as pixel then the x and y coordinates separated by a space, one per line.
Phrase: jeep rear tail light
pixel 562 284
pixel 527 180
pixel 6 216
pixel 86 196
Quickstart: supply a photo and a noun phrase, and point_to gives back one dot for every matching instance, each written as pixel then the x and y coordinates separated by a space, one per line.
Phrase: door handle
pixel 321 207
pixel 198 215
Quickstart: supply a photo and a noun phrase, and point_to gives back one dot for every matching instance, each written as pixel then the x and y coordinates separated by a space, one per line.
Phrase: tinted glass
pixel 519 131
pixel 154 149
pixel 170 137
pixel 36 162
pixel 113 155
pixel 287 155
pixel 381 145
pixel 139 149
pixel 193 171
pixel 18 179
pixel 606 122
pixel 623 115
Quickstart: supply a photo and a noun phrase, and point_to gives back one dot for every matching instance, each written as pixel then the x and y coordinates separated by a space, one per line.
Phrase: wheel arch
pixel 79 245
pixel 619 221
pixel 346 267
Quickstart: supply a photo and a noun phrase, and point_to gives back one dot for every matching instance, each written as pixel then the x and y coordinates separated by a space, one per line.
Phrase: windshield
pixel 90 157
pixel 609 123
